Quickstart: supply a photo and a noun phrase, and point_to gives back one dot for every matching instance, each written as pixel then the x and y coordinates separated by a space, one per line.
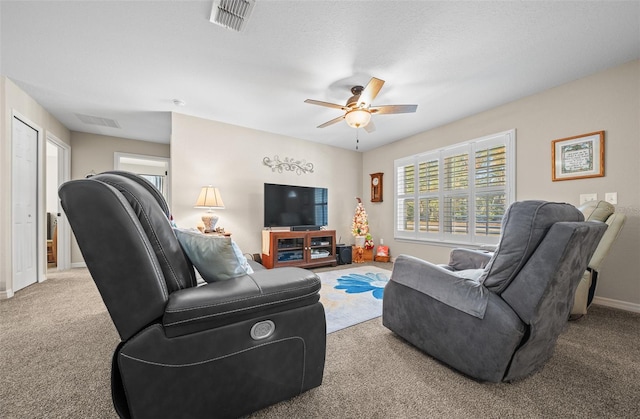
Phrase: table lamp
pixel 209 198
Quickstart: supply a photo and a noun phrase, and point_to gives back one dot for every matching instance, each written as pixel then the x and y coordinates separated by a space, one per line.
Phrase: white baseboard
pixel 622 305
pixel 4 295
pixel 78 265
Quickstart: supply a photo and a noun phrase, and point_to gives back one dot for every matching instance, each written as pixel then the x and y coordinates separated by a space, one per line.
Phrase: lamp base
pixel 209 220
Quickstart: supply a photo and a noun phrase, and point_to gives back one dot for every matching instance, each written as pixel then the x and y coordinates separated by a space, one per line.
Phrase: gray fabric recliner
pixel 496 317
pixel 220 350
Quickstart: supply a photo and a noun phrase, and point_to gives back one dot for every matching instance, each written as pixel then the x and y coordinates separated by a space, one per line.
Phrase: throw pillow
pixel 216 258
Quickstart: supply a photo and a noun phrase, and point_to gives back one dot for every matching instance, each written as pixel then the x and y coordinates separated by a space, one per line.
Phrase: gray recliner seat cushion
pixel 523 227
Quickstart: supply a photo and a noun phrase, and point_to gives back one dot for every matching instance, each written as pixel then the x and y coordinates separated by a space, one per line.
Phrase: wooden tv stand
pixel 305 249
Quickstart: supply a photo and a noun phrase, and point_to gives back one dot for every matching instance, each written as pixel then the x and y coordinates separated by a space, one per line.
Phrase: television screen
pixel 294 206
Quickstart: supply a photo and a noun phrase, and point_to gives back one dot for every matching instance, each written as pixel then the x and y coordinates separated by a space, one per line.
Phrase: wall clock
pixel 376 187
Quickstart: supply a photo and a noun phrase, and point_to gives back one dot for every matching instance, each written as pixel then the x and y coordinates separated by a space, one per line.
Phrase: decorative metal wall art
pixel 289 164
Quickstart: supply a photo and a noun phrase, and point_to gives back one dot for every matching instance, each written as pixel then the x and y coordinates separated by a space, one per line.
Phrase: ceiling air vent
pixel 232 14
pixel 96 120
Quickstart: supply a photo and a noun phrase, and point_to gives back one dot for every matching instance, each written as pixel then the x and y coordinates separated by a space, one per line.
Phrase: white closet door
pixel 25 203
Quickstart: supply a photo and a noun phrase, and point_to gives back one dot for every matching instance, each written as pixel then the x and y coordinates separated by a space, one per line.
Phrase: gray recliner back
pixel 542 292
pixel 536 270
pixel 524 226
pixel 128 245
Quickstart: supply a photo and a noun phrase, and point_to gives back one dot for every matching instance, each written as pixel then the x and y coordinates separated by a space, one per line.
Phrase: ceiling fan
pixel 358 109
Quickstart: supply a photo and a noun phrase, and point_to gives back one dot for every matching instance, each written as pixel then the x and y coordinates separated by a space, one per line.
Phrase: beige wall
pixel 95 153
pixel 12 98
pixel 608 101
pixel 230 158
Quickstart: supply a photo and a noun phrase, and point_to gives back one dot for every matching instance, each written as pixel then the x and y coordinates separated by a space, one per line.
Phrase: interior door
pixel 24 198
pixel 58 172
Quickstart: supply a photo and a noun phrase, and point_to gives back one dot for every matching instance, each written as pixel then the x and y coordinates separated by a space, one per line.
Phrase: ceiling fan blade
pixel 333 121
pixel 370 127
pixel 327 104
pixel 387 109
pixel 370 92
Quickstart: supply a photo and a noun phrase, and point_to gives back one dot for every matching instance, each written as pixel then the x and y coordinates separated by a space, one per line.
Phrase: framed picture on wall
pixel 578 157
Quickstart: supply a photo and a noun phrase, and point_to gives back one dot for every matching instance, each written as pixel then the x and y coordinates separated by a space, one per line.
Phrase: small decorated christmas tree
pixel 360 225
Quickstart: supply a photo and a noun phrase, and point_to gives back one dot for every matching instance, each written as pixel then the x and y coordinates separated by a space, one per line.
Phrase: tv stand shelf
pixel 305 249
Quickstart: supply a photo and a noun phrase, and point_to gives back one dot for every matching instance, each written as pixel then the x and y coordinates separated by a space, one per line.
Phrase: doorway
pixel 57 228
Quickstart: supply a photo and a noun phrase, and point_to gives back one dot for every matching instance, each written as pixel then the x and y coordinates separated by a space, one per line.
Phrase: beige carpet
pixel 56 341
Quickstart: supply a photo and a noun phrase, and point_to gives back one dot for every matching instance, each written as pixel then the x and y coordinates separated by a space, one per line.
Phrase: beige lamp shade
pixel 209 198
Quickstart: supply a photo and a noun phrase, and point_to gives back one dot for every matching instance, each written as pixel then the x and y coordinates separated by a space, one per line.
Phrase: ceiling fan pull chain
pixel 357 139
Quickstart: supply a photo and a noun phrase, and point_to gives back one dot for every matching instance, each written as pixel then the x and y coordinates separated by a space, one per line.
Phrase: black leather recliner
pixel 223 349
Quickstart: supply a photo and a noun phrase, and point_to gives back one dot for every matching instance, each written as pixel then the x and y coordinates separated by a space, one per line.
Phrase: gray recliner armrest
pixel 459 290
pixel 224 302
pixel 460 259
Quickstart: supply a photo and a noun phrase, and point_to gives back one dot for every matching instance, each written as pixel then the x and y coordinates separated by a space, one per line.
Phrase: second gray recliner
pixel 496 319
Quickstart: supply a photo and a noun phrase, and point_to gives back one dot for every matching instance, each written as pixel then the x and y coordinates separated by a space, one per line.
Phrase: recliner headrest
pixel 597 210
pixel 524 225
pixel 152 211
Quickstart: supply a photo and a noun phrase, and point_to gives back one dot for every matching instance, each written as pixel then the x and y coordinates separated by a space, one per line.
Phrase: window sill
pixel 450 244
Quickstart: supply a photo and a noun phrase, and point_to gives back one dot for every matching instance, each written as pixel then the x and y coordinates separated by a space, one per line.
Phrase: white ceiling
pixel 127 60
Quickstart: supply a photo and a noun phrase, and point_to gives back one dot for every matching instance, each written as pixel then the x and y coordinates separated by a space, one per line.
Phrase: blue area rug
pixel 352 296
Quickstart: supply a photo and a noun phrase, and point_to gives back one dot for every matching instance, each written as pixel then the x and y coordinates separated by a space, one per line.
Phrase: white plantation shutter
pixel 490 181
pixel 456 187
pixel 405 202
pixel 428 185
pixel 461 192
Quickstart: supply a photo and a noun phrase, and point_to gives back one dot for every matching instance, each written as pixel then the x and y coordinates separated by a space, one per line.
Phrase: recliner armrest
pixel 460 259
pixel 220 303
pixel 455 289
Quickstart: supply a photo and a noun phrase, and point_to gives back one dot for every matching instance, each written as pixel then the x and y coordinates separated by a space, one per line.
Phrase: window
pixel 156 180
pixel 321 204
pixel 154 169
pixel 456 194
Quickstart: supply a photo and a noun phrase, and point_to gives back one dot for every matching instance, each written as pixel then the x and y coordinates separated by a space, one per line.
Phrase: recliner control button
pixel 262 330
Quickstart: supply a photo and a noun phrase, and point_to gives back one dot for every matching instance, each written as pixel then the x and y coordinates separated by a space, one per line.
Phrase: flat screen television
pixel 299 207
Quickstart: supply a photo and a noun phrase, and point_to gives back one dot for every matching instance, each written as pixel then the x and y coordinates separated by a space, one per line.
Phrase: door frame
pixel 64 229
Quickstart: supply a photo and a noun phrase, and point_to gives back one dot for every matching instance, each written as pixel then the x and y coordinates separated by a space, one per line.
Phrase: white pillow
pixel 216 258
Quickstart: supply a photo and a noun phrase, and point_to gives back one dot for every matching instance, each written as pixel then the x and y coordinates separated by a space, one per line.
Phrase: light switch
pixel 586 197
pixel 611 197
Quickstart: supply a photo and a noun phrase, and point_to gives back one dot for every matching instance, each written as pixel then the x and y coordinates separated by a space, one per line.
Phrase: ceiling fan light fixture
pixel 358 108
pixel 357 118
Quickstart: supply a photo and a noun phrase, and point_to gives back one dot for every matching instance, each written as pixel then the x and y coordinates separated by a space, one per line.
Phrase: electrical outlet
pixel 611 197
pixel 586 197
pixel 381 241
